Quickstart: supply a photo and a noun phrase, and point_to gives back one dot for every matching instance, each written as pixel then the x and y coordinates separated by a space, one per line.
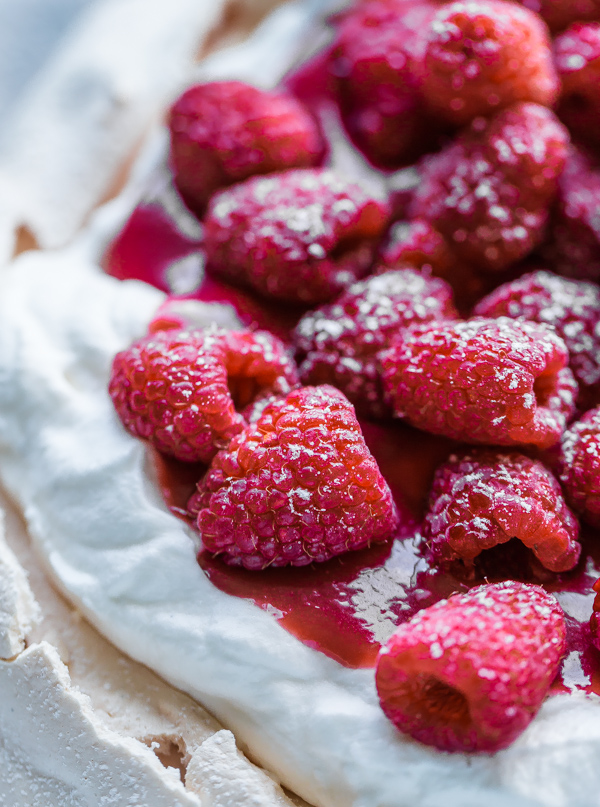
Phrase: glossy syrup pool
pixel 350 605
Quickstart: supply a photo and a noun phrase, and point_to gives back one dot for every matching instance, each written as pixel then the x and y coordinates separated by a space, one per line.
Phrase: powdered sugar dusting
pixel 497 381
pixel 481 499
pixel 469 673
pixel 571 307
pixel 284 234
pixel 339 343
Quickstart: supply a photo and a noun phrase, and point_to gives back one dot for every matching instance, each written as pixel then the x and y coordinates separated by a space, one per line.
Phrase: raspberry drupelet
pixel 571 307
pixel 299 485
pixel 485 55
pixel 182 390
pixel 470 673
pixel 486 497
pixel 577 54
pixel 416 243
pixel 376 64
pixel 226 131
pixel 488 193
pixel 495 381
pixel 573 245
pixel 579 466
pixel 299 236
pixel 338 343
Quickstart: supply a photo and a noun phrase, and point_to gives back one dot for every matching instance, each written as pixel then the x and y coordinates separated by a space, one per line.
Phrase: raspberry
pixel 484 498
pixel 180 389
pixel 469 673
pixel 573 246
pixel 558 14
pixel 482 56
pixel 502 381
pixel 185 313
pixel 418 244
pixel 579 466
pixel 300 236
pixel 226 131
pixel 488 192
pixel 376 69
pixel 572 307
pixel 578 64
pixel 339 342
pixel 300 485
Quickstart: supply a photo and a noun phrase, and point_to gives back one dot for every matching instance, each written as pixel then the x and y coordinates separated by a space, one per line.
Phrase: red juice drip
pixel 151 243
pixel 147 246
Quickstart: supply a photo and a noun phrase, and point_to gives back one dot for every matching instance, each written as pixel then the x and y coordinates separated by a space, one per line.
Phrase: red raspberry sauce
pixel 350 605
pixel 150 243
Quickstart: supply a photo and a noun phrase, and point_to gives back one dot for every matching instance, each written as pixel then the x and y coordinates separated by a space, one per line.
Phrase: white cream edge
pixel 315 723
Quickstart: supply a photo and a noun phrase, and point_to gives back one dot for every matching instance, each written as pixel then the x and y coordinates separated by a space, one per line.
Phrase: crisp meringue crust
pixel 95 513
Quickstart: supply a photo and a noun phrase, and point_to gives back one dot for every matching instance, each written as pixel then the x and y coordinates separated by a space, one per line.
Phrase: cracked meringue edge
pixel 67 733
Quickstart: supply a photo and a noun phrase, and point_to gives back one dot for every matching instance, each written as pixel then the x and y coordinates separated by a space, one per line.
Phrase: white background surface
pixel 29 32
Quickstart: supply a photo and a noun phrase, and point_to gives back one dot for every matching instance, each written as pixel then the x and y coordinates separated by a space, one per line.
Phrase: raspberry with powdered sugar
pixel 502 381
pixel 226 131
pixel 299 236
pixel 469 673
pixel 338 343
pixel 485 55
pixel 182 390
pixel 481 499
pixel 579 466
pixel 489 191
pixel 571 307
pixel 297 486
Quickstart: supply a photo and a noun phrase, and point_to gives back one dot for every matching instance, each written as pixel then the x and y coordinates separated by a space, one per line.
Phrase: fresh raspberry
pixel 573 245
pixel 485 55
pixel 416 243
pixel 495 381
pixel 578 64
pixel 376 64
pixel 558 14
pixel 300 485
pixel 469 673
pixel 579 466
pixel 186 313
pixel 180 389
pixel 300 236
pixel 338 343
pixel 488 192
pixel 485 497
pixel 226 131
pixel 572 307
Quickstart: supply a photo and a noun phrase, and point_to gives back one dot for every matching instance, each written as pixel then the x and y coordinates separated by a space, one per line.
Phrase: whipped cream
pixel 96 514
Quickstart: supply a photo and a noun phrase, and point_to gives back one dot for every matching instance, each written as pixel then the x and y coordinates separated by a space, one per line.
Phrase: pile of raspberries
pixel 468 306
